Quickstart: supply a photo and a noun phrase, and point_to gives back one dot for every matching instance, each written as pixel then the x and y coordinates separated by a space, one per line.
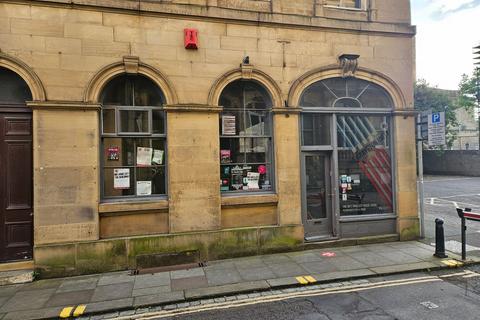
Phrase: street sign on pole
pixel 436 129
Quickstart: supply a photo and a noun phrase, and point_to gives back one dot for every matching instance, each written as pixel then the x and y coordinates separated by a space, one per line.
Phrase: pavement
pixel 120 294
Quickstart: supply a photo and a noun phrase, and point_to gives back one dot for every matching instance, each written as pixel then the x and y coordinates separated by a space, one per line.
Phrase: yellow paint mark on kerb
pixel 452 263
pixel 302 280
pixel 310 279
pixel 66 312
pixel 79 310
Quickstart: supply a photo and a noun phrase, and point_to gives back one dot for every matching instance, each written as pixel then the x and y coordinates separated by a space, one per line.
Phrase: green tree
pixel 429 98
pixel 469 91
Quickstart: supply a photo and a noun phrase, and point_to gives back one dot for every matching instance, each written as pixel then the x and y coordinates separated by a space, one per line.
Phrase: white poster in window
pixel 144 156
pixel 157 156
pixel 121 178
pixel 252 180
pixel 228 126
pixel 144 188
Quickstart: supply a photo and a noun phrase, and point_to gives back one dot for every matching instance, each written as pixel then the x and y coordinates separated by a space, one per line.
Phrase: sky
pixel 446 32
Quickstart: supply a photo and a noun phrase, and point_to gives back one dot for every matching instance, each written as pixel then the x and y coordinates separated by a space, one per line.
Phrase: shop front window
pixel 359 111
pixel 364 165
pixel 133 139
pixel 245 138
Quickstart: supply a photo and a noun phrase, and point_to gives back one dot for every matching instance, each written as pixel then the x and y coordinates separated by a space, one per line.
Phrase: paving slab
pixel 189 283
pixel 223 276
pixel 287 269
pixel 105 306
pixel 113 292
pixel 226 289
pixel 156 299
pixel 44 313
pixel 252 274
pixel 150 291
pixel 78 284
pixel 152 280
pixel 115 278
pixel 70 298
pixel 27 300
pixel 189 273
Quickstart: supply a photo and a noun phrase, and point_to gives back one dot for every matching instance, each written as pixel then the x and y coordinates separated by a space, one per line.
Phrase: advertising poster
pixel 228 126
pixel 121 178
pixel 144 156
pixel 144 188
pixel 252 180
pixel 157 156
pixel 113 153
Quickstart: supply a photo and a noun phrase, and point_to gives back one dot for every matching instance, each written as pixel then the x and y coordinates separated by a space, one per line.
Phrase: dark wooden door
pixel 16 188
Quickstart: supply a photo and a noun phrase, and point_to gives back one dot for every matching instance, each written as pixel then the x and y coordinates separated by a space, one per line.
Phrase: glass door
pixel 317 195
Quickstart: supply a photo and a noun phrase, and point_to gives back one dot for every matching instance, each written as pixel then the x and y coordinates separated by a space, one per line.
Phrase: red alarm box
pixel 191 39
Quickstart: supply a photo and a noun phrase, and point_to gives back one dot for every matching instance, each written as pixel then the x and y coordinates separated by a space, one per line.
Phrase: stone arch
pixel 26 73
pixel 129 65
pixel 333 71
pixel 246 72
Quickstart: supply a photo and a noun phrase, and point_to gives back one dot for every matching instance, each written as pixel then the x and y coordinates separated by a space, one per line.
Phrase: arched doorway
pixel 16 182
pixel 346 155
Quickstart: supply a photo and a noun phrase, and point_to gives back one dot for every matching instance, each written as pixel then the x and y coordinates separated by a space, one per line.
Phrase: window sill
pixel 131 206
pixel 345 8
pixel 249 200
pixel 370 217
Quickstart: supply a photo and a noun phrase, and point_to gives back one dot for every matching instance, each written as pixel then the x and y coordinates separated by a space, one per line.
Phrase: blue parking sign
pixel 436 117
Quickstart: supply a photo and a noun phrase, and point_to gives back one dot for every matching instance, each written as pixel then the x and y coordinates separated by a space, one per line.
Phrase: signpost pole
pixel 420 175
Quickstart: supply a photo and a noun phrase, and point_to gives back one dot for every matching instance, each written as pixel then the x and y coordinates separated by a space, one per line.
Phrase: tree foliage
pixel 429 98
pixel 469 91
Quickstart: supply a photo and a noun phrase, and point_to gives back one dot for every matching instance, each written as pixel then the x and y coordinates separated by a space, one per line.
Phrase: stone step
pixel 15 277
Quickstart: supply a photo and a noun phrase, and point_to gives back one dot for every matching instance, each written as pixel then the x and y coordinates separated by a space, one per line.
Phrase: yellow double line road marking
pixel 282 296
pixel 77 312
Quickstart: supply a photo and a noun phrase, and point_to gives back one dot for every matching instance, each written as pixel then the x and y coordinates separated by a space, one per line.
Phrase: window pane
pixel 150 152
pixel 375 97
pixel 158 122
pixel 118 152
pixel 118 182
pixel 256 149
pixel 316 129
pixel 256 123
pixel 133 121
pixel 364 165
pixel 150 181
pixel 108 120
pixel 230 150
pixel 13 88
pixel 317 95
pixel 246 177
pixel 232 123
pixel 129 90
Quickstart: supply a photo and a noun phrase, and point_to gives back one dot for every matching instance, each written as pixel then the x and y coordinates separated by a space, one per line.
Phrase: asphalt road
pixel 442 196
pixel 450 294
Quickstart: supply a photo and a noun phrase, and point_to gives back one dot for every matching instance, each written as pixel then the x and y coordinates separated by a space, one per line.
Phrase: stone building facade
pixel 284 122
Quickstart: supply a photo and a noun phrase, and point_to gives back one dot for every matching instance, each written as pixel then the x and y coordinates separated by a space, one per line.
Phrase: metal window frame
pixel 126 135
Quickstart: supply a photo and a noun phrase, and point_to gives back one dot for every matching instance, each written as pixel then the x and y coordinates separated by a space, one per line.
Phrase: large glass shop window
pixel 364 165
pixel 363 140
pixel 245 138
pixel 133 138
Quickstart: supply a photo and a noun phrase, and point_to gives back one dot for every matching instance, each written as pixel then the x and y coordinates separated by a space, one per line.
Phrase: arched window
pixel 358 113
pixel 133 138
pixel 246 138
pixel 346 93
pixel 13 89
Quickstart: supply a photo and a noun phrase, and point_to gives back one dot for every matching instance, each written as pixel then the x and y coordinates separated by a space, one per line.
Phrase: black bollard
pixel 439 239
